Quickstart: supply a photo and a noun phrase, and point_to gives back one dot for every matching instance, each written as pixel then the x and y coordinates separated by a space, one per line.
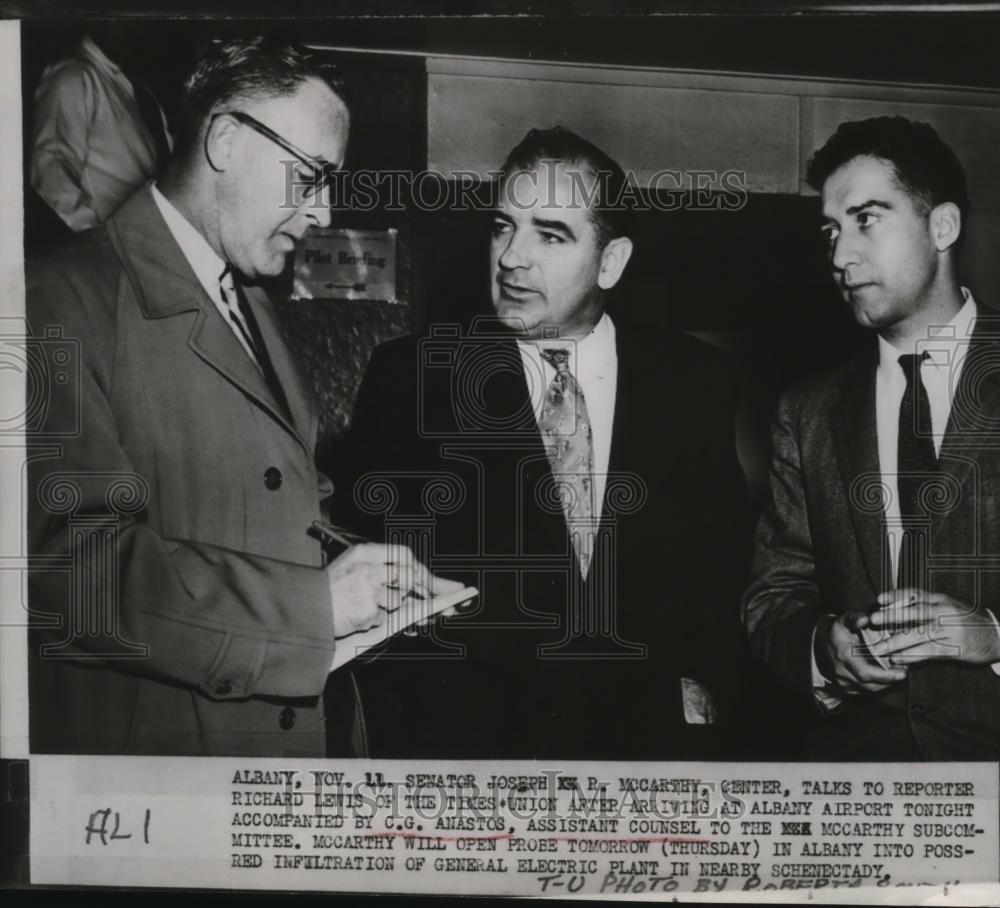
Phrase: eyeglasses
pixel 319 172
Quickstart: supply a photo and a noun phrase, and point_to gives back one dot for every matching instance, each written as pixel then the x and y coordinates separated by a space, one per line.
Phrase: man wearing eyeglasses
pixel 181 606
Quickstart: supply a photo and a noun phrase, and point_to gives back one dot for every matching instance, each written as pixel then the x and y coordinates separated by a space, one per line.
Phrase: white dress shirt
pixel 207 266
pixel 90 147
pixel 940 372
pixel 593 362
pixel 946 350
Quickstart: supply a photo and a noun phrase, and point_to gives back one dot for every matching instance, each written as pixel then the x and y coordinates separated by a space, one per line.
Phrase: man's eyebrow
pixel 561 226
pixel 871 203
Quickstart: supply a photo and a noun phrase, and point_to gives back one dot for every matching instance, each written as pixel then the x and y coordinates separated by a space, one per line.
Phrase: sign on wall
pixel 346 264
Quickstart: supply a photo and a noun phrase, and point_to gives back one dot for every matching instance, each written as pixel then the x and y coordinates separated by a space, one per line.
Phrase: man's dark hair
pixel 247 69
pixel 925 167
pixel 609 211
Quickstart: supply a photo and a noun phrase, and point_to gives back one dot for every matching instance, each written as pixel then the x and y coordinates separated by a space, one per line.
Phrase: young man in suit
pixel 872 587
pixel 180 604
pixel 580 472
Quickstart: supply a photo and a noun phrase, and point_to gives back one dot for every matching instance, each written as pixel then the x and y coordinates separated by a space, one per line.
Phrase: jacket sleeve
pixel 64 111
pixel 782 603
pixel 105 586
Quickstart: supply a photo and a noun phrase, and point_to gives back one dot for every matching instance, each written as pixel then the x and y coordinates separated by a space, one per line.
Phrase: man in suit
pixel 872 590
pixel 180 605
pixel 576 469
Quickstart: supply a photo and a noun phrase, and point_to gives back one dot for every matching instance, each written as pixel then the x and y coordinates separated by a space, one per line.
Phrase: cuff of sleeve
pixel 291 664
pixel 823 690
pixel 236 671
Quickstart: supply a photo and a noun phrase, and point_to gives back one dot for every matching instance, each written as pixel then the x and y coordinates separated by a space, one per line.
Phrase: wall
pixel 334 339
pixel 754 280
pixel 653 119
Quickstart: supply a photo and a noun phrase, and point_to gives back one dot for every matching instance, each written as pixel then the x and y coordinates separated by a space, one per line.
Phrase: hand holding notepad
pixel 379 591
pixel 411 611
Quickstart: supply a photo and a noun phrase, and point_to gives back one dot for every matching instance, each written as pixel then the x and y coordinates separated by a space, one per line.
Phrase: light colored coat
pixel 223 632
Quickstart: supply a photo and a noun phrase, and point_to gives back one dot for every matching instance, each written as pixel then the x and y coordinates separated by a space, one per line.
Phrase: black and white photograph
pixel 518 451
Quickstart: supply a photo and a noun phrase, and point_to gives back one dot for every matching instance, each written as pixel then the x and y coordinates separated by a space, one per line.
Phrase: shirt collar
pixel 204 262
pixel 939 347
pixel 592 351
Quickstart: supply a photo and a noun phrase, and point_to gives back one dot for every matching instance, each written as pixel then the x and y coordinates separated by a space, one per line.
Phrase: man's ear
pixel 946 225
pixel 219 141
pixel 614 258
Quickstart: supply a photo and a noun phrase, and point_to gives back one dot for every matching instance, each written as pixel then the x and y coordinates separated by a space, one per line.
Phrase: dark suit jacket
pixel 821 549
pixel 170 497
pixel 444 452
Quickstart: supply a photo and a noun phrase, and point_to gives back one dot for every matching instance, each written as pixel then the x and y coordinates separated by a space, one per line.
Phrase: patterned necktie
pixel 568 439
pixel 916 463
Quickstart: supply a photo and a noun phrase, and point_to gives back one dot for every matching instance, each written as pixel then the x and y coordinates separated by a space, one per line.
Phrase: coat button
pixel 272 478
pixel 224 688
pixel 287 718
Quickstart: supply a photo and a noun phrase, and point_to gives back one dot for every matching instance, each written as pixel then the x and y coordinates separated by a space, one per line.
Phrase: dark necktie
pixel 568 439
pixel 247 325
pixel 916 463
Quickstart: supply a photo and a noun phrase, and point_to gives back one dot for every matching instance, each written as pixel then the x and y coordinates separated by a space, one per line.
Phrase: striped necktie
pixel 245 326
pixel 230 299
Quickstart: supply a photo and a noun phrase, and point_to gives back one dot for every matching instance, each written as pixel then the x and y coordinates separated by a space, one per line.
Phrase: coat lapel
pixel 167 286
pixel 974 422
pixel 298 394
pixel 508 393
pixel 508 401
pixel 634 418
pixel 505 389
pixel 855 442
